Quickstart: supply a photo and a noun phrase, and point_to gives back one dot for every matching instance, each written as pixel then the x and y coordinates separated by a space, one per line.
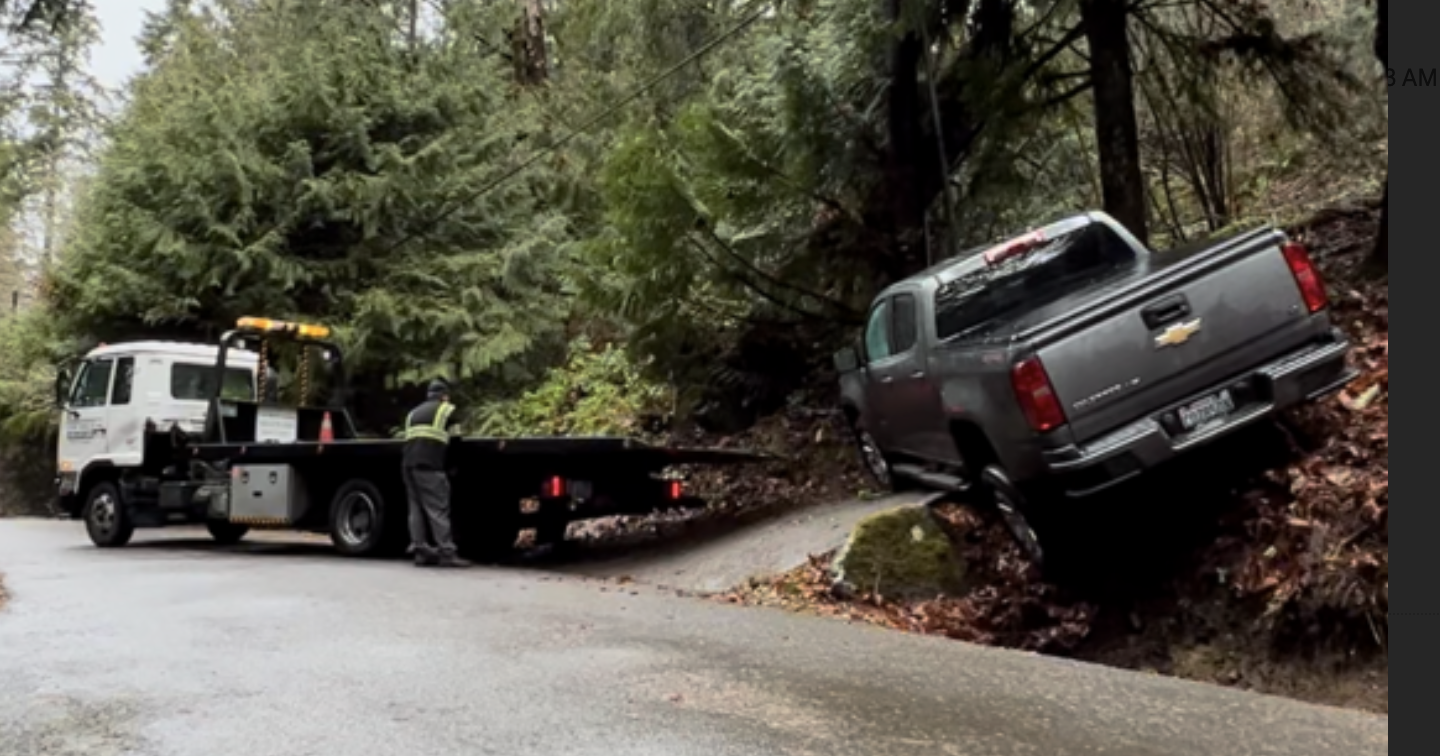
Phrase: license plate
pixel 1206 410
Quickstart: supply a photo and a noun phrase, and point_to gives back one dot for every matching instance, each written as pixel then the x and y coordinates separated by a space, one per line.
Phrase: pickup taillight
pixel 1036 396
pixel 1307 277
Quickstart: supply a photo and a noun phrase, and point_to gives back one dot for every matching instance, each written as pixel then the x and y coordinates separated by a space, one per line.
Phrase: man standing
pixel 427 438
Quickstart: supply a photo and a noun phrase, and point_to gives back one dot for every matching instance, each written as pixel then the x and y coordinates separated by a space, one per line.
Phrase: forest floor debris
pixel 1284 590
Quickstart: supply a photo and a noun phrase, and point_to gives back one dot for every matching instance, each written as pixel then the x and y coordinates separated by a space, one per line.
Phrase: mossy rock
pixel 900 553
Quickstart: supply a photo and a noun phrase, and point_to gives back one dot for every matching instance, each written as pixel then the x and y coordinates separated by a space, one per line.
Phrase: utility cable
pixel 589 123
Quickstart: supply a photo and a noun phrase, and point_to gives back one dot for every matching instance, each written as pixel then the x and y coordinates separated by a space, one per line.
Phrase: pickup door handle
pixel 918 374
pixel 887 379
pixel 1165 311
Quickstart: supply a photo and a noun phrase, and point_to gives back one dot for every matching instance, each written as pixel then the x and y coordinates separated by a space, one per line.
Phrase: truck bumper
pixel 1307 374
pixel 67 486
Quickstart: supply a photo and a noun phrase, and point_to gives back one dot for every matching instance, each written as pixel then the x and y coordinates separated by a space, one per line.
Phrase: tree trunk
pixel 531 61
pixel 1379 261
pixel 414 19
pixel 1116 132
pixel 904 128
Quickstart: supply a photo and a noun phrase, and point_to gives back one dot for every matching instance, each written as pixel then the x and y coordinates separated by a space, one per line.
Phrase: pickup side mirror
pixel 62 387
pixel 847 359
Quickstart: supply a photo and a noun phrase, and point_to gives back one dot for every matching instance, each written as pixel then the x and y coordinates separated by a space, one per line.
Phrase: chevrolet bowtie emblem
pixel 1177 334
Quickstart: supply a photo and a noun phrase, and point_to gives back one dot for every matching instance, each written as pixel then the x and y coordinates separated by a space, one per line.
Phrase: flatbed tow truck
pixel 155 434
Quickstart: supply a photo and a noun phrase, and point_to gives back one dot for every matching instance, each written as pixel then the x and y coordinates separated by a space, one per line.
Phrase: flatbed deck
pixel 633 451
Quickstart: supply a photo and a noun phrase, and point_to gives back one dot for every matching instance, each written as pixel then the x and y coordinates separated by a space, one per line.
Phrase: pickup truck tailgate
pixel 1181 329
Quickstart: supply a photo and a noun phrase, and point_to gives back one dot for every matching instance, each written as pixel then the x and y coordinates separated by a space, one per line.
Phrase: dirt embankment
pixel 1262 572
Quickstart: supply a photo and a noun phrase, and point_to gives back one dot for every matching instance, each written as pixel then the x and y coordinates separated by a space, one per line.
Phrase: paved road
pixel 176 648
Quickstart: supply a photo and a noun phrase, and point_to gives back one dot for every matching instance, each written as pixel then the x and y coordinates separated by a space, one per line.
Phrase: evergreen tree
pixel 297 160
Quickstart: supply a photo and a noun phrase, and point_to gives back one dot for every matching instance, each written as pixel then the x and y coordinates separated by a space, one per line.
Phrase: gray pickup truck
pixel 1059 363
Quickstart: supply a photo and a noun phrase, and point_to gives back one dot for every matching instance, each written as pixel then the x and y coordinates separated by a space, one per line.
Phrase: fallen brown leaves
pixel 1315 545
pixel 1008 608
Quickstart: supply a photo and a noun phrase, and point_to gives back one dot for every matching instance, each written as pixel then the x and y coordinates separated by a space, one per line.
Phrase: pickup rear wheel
pixel 1015 512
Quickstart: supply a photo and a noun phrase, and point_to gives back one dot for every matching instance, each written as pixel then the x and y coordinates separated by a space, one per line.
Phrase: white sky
pixel 117 58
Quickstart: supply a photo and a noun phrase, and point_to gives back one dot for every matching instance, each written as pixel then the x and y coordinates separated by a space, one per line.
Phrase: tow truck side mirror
pixel 62 384
pixel 847 359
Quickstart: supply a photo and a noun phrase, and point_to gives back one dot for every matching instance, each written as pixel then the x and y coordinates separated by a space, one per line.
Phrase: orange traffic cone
pixel 327 431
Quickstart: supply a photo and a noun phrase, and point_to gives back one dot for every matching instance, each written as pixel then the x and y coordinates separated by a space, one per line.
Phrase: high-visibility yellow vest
pixel 433 430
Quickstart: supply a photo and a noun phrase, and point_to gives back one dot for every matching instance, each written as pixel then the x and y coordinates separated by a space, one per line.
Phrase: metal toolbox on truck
pixel 266 495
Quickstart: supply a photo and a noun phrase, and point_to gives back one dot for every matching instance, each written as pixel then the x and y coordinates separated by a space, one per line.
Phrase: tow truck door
pixel 84 419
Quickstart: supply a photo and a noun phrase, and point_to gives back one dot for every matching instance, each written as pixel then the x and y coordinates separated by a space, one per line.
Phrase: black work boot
pixel 424 556
pixel 449 559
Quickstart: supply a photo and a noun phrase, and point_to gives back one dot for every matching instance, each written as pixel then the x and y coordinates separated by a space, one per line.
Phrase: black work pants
pixel 429 493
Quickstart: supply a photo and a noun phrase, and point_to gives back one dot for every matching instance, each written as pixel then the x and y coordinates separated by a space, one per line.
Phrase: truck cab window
pixel 93 384
pixel 877 333
pixel 124 381
pixel 906 331
pixel 197 382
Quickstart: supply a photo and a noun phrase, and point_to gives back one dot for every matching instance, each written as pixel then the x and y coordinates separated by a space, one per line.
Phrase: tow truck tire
pixel 226 533
pixel 359 519
pixel 106 520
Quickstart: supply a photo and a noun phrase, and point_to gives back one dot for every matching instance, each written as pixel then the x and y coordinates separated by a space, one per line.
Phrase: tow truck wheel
pixel 226 533
pixel 106 520
pixel 357 519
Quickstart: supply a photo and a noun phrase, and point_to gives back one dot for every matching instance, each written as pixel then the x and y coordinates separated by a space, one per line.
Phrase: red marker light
pixel 675 490
pixel 1014 247
pixel 555 487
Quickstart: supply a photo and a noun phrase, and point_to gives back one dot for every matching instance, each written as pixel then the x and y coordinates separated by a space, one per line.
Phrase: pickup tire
pixel 1013 508
pixel 1032 522
pixel 226 533
pixel 876 464
pixel 106 519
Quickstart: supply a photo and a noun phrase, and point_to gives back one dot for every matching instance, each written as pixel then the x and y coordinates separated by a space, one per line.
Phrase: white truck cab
pixel 118 389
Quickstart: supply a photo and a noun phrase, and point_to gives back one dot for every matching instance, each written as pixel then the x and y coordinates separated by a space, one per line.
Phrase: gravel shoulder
pixel 720 558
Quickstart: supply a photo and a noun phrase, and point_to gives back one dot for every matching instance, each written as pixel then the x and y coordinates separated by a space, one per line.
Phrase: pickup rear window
pixel 1076 256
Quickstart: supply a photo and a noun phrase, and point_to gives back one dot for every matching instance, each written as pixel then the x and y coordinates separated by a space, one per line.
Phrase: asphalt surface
pixel 178 648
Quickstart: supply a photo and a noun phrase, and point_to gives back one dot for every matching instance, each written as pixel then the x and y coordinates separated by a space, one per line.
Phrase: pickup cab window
pixel 877 333
pixel 1074 257
pixel 906 331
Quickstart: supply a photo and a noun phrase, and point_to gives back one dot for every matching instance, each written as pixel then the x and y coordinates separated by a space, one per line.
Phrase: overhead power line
pixel 589 123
